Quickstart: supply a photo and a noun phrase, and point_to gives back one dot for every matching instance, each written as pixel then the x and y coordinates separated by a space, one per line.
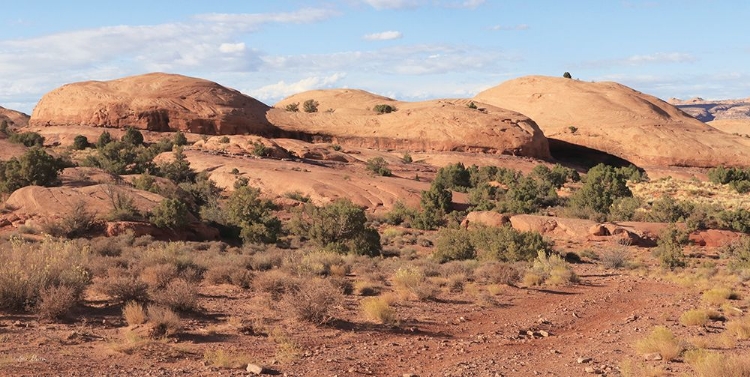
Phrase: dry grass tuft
pixel 314 301
pixel 411 282
pixel 694 317
pixel 661 341
pixel 134 314
pixel 615 258
pixel 379 309
pixel 178 295
pixel 275 283
pixel 56 302
pixel 713 364
pixel 718 296
pixel 164 321
pixel 739 328
pixel 223 359
pixel 28 269
pixel 286 348
pixel 123 286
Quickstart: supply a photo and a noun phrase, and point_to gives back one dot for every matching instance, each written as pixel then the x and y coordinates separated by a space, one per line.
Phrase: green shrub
pixel 252 216
pixel 454 244
pixel 34 167
pixel 738 220
pixel 454 177
pixel 310 106
pixel 378 166
pixel 340 226
pixel 178 170
pixel 224 140
pixel 29 139
pixel 400 214
pixel 179 139
pixel 669 210
pixel 170 213
pixel 407 158
pixel 549 269
pixel 567 75
pixel 472 105
pixel 506 244
pixel 384 109
pixel 123 205
pixel 602 186
pixel 624 209
pixel 104 139
pixel 435 204
pixel 260 149
pixel 132 136
pixel 80 142
pixel 77 223
pixel 738 253
pixel 669 247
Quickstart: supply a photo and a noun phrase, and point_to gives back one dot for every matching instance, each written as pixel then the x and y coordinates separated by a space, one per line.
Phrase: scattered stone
pixel 584 360
pixel 255 369
pixel 544 333
pixel 592 370
pixel 409 375
pixel 652 356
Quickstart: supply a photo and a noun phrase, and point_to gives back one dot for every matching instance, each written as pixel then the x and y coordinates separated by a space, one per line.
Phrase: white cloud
pixel 395 4
pixel 384 36
pixel 509 27
pixel 229 48
pixel 661 57
pixel 470 4
pixel 281 89
pixel 252 21
pixel 639 60
pixel 30 67
pixel 404 60
pixel 412 4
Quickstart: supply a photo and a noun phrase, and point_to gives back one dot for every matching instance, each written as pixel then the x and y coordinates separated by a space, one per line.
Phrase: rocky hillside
pixel 349 117
pixel 617 120
pixel 15 118
pixel 155 101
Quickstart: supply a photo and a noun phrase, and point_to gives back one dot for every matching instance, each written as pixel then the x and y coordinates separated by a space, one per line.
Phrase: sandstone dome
pixel 347 116
pixel 615 119
pixel 156 102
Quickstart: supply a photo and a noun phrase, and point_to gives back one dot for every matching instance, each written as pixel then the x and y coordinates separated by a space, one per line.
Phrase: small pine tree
pixel 104 139
pixel 133 137
pixel 179 138
pixel 80 143
pixel 292 107
pixel 310 106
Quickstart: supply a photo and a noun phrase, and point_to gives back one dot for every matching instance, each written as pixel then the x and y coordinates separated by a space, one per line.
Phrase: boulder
pixel 485 218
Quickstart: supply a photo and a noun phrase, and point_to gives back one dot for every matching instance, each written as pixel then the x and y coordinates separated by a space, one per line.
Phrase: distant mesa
pixel 156 102
pixel 716 110
pixel 616 120
pixel 351 117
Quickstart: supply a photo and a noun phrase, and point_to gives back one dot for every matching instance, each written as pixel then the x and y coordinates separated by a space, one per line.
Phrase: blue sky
pixel 406 49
